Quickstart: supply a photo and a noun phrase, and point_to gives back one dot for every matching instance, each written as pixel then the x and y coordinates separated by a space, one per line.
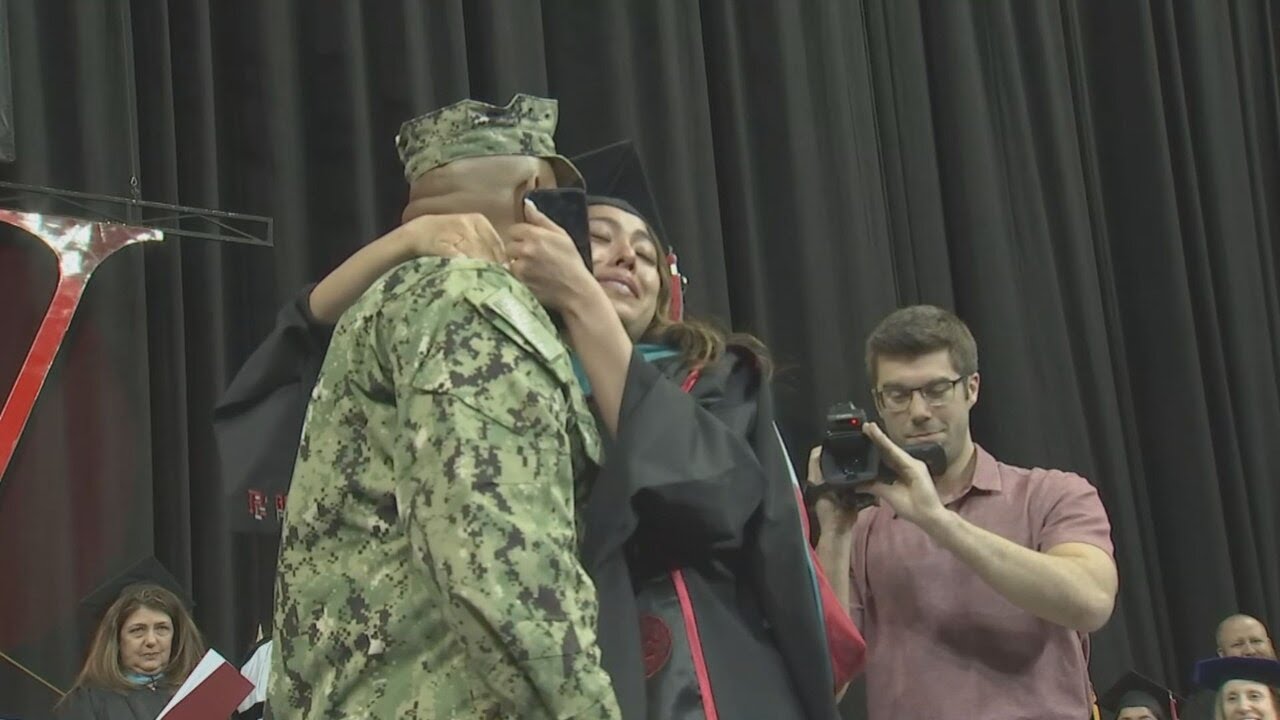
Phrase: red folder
pixel 211 692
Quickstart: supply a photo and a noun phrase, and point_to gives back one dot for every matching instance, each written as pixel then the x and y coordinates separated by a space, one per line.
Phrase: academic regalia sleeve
pixel 845 643
pixel 258 421
pixel 1199 706
pixel 698 479
pixel 85 703
pixel 780 558
pixel 77 705
pixel 697 474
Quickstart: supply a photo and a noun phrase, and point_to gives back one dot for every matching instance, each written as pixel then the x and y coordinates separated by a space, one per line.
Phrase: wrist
pixel 834 520
pixel 396 246
pixel 940 524
pixel 587 306
pixel 836 535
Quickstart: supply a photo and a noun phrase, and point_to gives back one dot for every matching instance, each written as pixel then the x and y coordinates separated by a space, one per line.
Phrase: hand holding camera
pixel 858 464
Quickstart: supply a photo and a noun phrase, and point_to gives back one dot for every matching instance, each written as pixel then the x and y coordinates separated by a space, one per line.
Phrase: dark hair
pixel 699 342
pixel 102 668
pixel 918 330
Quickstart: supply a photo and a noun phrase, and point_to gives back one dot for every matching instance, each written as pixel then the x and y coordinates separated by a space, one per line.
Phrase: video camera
pixel 850 459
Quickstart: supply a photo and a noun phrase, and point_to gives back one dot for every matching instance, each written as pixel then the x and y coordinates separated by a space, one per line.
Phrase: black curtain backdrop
pixel 1092 186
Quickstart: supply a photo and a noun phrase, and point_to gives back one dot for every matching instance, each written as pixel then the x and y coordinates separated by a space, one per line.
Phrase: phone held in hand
pixel 567 207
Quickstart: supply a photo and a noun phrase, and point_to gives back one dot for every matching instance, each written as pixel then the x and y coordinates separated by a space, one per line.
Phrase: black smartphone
pixel 567 207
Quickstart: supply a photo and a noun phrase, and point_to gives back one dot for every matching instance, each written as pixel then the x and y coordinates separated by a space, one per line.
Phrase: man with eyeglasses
pixel 983 582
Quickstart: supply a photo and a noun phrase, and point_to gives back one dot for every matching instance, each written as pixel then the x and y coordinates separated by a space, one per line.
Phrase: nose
pixel 918 408
pixel 621 254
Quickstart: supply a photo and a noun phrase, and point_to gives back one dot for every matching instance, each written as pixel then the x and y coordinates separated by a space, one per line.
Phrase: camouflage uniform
pixel 428 565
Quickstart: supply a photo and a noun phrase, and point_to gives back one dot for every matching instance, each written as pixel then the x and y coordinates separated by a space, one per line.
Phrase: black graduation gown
pixel 698 482
pixel 1199 706
pixel 695 469
pixel 258 420
pixel 98 704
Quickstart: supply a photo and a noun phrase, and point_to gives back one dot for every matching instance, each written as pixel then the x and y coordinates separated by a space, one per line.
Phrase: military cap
pixel 470 128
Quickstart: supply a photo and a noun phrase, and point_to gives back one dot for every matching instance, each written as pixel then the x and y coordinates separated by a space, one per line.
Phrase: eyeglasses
pixel 897 399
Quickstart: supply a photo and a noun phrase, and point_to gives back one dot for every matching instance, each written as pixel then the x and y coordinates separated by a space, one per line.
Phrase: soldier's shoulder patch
pixel 515 310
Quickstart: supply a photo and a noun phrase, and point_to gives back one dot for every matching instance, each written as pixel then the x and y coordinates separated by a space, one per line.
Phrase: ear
pixel 532 181
pixel 972 384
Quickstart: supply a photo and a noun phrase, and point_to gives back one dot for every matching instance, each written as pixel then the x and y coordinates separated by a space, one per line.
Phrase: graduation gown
pixel 694 539
pixel 1199 706
pixel 693 465
pixel 258 421
pixel 98 704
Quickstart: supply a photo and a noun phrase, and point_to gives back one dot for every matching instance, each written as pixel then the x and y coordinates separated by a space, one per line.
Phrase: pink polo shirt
pixel 941 643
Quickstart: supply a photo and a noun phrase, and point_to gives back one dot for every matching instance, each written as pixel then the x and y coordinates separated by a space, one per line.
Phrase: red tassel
pixel 675 309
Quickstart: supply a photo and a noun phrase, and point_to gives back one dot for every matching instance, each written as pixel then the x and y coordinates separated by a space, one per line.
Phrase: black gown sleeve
pixel 686 458
pixel 77 705
pixel 86 703
pixel 258 421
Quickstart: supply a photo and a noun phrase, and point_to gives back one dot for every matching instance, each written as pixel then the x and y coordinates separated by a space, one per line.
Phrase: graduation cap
pixel 1216 672
pixel 144 572
pixel 1134 690
pixel 615 176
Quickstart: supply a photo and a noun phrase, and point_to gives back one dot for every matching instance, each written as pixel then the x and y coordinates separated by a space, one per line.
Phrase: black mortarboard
pixel 148 571
pixel 615 176
pixel 1216 672
pixel 1135 690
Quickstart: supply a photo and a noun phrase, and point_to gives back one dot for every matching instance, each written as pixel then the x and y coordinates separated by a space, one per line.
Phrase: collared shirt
pixel 941 642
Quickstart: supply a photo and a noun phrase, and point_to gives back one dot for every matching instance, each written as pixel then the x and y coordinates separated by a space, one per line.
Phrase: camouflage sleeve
pixel 486 484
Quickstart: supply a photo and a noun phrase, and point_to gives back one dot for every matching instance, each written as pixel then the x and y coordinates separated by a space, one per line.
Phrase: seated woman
pixel 1247 687
pixel 142 650
pixel 693 534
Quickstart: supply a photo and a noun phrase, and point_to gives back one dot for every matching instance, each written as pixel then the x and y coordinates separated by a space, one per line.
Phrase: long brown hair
pixel 102 668
pixel 699 342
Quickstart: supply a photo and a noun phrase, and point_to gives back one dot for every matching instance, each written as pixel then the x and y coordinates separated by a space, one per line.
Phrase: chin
pixel 151 668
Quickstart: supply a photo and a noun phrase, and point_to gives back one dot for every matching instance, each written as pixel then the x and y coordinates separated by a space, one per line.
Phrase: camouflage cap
pixel 470 128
